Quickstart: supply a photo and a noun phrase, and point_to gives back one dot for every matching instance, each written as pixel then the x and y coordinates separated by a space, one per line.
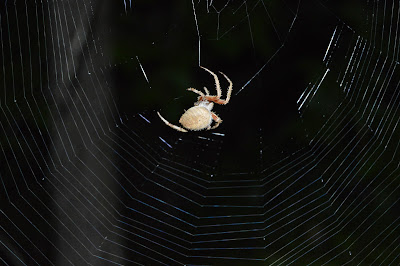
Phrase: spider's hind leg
pixel 171 125
pixel 217 120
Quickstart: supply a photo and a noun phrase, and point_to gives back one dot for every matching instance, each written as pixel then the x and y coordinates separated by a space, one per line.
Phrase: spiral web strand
pixel 83 182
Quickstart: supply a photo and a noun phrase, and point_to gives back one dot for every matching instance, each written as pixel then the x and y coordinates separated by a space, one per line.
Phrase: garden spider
pixel 200 116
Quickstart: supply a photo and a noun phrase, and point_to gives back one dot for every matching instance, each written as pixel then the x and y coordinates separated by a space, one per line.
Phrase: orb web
pixel 302 170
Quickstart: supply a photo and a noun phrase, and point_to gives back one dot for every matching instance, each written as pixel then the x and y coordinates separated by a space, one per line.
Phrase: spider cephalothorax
pixel 200 115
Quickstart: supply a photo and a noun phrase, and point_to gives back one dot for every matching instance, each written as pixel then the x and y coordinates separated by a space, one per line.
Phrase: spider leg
pixel 216 119
pixel 196 91
pixel 207 92
pixel 217 85
pixel 228 95
pixel 171 125
pixel 201 97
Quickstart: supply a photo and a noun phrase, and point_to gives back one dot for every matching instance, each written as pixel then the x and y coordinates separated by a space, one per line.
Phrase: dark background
pixel 290 45
pixel 91 175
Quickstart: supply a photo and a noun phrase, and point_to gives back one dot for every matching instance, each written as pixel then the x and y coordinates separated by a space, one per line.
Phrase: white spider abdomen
pixel 196 118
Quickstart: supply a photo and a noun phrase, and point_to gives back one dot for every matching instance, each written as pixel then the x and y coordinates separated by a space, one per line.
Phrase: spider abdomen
pixel 196 118
pixel 200 115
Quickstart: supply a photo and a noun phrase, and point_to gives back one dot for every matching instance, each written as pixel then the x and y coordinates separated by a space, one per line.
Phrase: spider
pixel 199 116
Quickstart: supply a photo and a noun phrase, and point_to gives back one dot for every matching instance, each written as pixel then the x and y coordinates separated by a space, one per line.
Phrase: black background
pixel 88 179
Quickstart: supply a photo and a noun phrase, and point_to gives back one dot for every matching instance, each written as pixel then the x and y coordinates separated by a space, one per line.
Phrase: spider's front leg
pixel 228 95
pixel 216 119
pixel 217 99
pixel 197 91
pixel 201 97
pixel 217 85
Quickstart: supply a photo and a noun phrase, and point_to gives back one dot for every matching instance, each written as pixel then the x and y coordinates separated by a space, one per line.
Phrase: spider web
pixel 303 169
